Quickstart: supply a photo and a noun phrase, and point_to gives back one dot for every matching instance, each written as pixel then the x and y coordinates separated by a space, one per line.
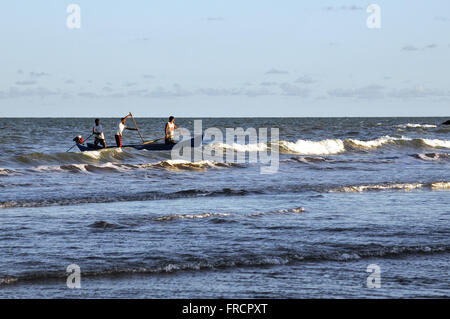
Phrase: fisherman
pixel 120 127
pixel 97 131
pixel 169 131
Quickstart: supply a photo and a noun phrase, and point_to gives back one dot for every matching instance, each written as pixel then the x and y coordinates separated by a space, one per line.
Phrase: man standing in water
pixel 169 131
pixel 120 127
pixel 97 130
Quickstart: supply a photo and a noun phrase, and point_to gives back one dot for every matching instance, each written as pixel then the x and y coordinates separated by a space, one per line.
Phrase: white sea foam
pixel 376 142
pixel 440 185
pixel 397 186
pixel 437 143
pixel 399 140
pixel 190 216
pixel 415 125
pixel 5 171
pixel 180 164
pixel 258 147
pixel 109 166
pixel 56 168
pixel 7 280
pixel 306 147
pixel 292 210
pixel 363 188
pixel 432 156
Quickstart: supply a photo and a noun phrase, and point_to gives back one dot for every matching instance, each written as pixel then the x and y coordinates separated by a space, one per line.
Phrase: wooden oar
pixel 135 125
pixel 158 139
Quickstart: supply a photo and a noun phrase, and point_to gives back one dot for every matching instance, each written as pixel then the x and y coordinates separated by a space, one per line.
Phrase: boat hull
pixel 194 142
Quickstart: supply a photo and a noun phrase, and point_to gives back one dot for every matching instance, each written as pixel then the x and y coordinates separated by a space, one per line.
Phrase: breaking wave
pixel 440 185
pixel 71 157
pixel 112 160
pixel 246 259
pixel 372 143
pixel 280 211
pixel 111 198
pixel 190 216
pixel 336 146
pixel 436 143
pixel 189 193
pixel 415 125
pixel 7 172
pixel 324 147
pixel 187 165
pixel 117 167
pixel 239 147
pixel 397 186
pixel 432 156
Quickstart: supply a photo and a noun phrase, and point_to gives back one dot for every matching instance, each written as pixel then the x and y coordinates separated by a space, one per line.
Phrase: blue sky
pixel 225 58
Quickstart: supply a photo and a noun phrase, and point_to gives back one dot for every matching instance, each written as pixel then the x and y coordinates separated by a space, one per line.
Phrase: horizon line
pixel 203 117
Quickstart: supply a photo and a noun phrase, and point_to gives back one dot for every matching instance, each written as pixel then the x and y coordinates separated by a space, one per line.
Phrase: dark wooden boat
pixel 193 142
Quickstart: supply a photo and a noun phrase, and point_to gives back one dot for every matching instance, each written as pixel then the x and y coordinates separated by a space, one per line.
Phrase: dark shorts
pixel 118 140
pixel 169 141
pixel 100 141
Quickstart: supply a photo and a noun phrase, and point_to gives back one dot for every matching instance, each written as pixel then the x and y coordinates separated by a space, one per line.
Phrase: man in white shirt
pixel 170 131
pixel 120 127
pixel 97 130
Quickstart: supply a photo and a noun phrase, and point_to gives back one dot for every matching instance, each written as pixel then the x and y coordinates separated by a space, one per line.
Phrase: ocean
pixel 358 208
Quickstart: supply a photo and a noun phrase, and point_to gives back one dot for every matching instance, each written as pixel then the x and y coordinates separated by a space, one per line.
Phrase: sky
pixel 209 58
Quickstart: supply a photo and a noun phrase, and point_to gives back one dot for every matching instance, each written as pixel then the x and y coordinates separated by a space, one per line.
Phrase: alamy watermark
pixel 374 279
pixel 74 278
pixel 73 20
pixel 374 19
pixel 241 146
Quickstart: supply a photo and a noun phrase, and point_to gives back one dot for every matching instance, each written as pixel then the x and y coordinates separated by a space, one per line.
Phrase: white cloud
pixel 293 90
pixel 367 92
pixel 41 92
pixel 215 19
pixel 90 95
pixel 233 92
pixel 268 83
pixel 304 79
pixel 344 8
pixel 410 47
pixel 418 92
pixel 371 92
pixel 276 71
pixel 38 74
pixel 25 82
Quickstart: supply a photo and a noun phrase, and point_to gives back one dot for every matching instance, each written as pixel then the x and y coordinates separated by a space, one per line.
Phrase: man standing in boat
pixel 97 131
pixel 169 131
pixel 120 127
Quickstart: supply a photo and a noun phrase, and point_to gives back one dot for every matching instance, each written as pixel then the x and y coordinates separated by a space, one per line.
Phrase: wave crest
pixel 415 125
pixel 245 260
pixel 306 147
pixel 190 216
pixel 432 156
pixel 397 186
